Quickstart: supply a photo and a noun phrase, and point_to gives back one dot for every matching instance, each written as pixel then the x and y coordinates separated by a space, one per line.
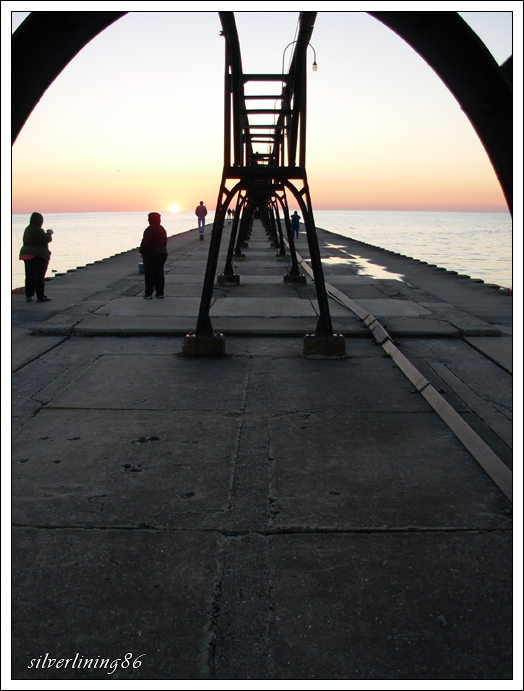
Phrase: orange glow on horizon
pixel 386 188
pixel 60 194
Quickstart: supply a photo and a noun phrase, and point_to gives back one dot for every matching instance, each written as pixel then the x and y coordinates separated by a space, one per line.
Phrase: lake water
pixel 476 244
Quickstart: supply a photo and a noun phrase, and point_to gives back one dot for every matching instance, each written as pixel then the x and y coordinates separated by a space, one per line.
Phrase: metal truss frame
pixel 264 178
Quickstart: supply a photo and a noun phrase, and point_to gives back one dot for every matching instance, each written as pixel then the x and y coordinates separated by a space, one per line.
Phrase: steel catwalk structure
pixel 260 181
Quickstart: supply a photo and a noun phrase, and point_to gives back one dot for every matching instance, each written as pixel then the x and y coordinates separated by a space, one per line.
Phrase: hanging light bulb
pixel 315 66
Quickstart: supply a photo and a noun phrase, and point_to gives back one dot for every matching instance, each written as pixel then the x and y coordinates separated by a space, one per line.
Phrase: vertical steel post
pixel 295 271
pixel 282 251
pixel 228 269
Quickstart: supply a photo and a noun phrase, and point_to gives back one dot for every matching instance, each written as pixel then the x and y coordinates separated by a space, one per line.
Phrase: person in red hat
pixel 153 249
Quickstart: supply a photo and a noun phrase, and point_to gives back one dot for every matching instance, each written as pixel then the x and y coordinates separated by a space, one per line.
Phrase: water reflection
pixel 367 268
pixel 361 266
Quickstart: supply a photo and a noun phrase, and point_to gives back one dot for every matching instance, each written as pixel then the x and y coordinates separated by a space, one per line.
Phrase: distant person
pixel 295 224
pixel 153 249
pixel 36 255
pixel 201 213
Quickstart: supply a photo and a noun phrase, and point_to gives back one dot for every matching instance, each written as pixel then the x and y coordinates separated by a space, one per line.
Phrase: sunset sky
pixel 136 119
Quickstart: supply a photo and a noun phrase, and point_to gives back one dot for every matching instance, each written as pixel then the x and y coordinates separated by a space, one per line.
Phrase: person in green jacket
pixel 36 255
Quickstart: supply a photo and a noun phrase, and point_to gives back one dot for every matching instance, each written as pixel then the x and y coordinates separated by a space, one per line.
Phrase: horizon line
pixel 171 213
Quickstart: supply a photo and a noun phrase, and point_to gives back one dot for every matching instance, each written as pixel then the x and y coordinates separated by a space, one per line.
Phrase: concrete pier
pixel 261 515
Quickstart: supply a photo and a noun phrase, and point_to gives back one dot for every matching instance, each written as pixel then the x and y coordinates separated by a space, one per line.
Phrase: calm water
pixel 477 244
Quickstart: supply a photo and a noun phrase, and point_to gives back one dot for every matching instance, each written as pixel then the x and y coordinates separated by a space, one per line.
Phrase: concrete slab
pixel 138 307
pixel 278 289
pixel 467 365
pixel 195 268
pixel 395 606
pixel 176 278
pixel 156 382
pixel 393 308
pixel 350 280
pixel 416 327
pixel 507 330
pixel 243 267
pixel 181 326
pixel 25 347
pixel 271 268
pixel 121 468
pixel 383 309
pixel 498 419
pixel 362 291
pixel 260 251
pixel 262 307
pixel 375 474
pixel 500 350
pixel 362 383
pixel 318 519
pixel 132 326
pixel 179 289
pixel 261 279
pixel 85 606
pixel 270 326
pixel 469 325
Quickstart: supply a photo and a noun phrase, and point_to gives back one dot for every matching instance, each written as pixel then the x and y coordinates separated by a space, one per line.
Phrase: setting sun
pixel 174 209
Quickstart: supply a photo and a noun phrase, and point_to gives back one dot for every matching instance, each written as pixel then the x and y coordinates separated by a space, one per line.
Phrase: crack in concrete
pixel 21 367
pixel 209 652
pixel 63 372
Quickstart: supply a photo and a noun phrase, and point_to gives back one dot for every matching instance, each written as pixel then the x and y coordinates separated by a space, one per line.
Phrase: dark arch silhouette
pixel 34 69
pixel 442 39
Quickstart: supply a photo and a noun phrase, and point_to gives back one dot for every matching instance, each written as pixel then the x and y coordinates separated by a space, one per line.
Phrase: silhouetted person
pixel 153 249
pixel 295 224
pixel 36 255
pixel 201 213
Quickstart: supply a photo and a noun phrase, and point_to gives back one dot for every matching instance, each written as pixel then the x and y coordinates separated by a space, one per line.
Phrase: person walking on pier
pixel 201 213
pixel 295 224
pixel 153 249
pixel 36 255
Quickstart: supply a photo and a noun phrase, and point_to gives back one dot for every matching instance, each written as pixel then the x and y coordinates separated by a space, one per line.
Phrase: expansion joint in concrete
pixel 240 645
pixel 250 486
